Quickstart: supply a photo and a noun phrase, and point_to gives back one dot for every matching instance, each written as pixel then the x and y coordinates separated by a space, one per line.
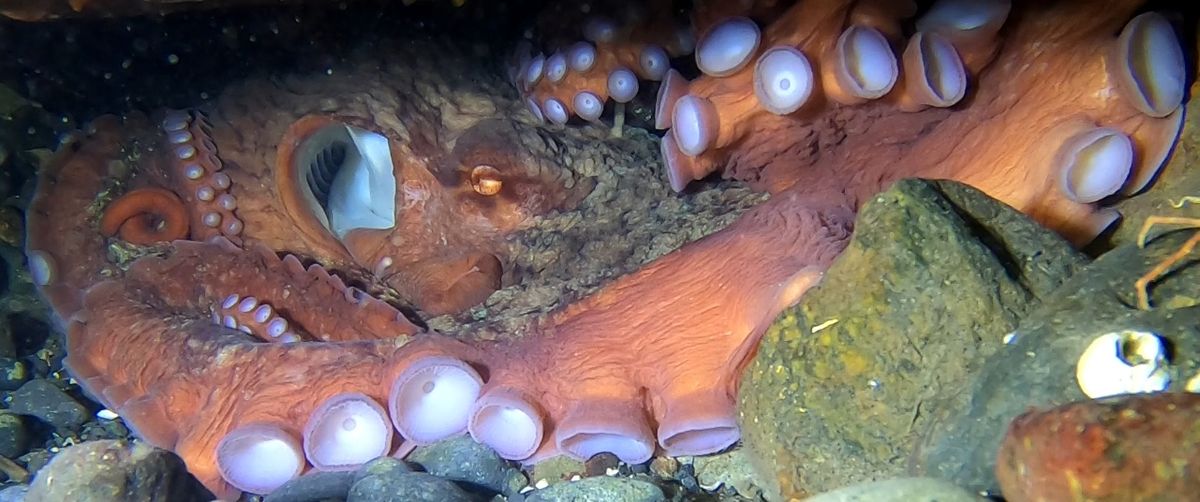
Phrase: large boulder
pixel 844 383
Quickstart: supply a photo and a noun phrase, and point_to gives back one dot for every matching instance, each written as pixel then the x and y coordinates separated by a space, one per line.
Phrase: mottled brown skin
pixel 1128 448
pixel 668 340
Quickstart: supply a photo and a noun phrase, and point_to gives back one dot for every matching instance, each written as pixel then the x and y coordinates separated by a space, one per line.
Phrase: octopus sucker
pixel 602 425
pixel 346 431
pixel 337 223
pixel 862 66
pixel 508 422
pixel 432 398
pixel 258 458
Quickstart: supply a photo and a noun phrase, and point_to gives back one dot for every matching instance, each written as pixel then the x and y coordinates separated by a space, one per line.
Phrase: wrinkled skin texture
pixel 655 351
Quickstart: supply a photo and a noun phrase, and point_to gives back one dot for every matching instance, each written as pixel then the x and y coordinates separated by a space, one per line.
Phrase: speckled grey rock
pixel 462 459
pixel 103 471
pixel 383 466
pixel 400 486
pixel 41 399
pixel 598 489
pixel 314 486
pixel 14 437
pixel 899 490
pixel 1037 367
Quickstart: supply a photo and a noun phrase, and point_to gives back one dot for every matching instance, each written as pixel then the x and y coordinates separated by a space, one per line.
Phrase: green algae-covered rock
pixel 1038 365
pixel 842 385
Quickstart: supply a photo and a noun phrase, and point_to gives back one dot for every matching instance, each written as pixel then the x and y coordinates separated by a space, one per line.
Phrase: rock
pixel 15 493
pixel 842 385
pixel 664 467
pixel 314 486
pixel 1125 448
pixel 601 464
pixel 598 489
pixel 462 459
pixel 115 470
pixel 686 476
pixel 1142 447
pixel 399 486
pixel 731 469
pixel 383 466
pixel 1038 365
pixel 556 469
pixel 41 399
pixel 899 490
pixel 35 460
pixel 14 437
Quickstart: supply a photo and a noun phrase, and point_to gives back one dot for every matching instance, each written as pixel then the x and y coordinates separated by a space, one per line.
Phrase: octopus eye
pixel 345 174
pixel 486 180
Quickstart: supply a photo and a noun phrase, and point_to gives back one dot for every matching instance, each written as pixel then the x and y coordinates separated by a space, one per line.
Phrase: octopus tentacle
pixel 425 378
pixel 578 77
pixel 186 407
pixel 716 125
pixel 67 187
pixel 145 216
pixel 196 168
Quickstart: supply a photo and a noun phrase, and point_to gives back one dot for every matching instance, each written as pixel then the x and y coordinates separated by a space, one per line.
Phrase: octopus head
pixel 425 219
pixel 502 174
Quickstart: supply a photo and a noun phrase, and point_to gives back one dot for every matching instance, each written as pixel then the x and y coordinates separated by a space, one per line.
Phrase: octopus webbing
pixel 292 232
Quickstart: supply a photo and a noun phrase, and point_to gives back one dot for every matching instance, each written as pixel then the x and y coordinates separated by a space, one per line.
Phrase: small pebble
pixel 600 464
pixel 664 467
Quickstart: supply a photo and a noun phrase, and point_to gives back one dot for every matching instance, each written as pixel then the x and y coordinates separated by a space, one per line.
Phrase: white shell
pixel 1123 362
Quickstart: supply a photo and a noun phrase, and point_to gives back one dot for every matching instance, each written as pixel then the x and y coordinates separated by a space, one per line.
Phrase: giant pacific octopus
pixel 295 233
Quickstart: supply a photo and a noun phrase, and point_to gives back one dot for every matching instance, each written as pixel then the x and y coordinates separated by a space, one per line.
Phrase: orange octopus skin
pixel 1020 95
pixel 654 357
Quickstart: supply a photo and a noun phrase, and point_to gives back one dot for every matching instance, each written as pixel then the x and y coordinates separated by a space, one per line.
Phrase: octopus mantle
pixel 280 226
